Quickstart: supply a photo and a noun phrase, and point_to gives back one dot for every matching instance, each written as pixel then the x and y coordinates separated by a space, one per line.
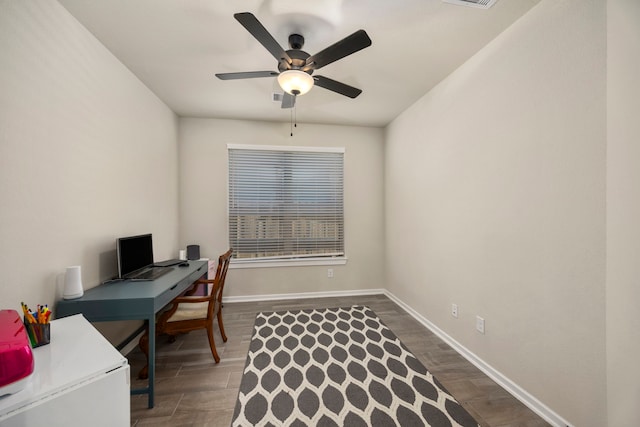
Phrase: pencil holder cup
pixel 39 333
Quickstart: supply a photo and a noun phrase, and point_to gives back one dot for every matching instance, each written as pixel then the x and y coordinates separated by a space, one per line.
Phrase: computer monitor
pixel 134 253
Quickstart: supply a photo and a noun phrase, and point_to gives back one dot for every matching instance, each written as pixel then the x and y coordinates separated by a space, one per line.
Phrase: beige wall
pixel 87 154
pixel 203 201
pixel 494 188
pixel 623 212
pixel 495 197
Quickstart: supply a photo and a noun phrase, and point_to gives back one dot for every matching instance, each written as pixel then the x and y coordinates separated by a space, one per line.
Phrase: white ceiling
pixel 176 46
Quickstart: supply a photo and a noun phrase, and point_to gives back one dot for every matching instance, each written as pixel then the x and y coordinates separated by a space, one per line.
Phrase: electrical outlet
pixel 330 273
pixel 454 310
pixel 480 324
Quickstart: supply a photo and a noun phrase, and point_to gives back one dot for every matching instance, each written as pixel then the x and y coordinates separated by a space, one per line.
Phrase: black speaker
pixel 193 252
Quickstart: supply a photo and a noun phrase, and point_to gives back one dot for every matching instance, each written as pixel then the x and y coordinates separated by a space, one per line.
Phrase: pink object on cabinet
pixel 16 358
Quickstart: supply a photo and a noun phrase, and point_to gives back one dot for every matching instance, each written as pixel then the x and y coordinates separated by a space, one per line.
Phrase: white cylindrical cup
pixel 73 283
pixel 183 254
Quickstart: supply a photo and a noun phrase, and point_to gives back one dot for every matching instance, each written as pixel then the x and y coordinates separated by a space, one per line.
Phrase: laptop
pixel 147 273
pixel 135 259
pixel 169 263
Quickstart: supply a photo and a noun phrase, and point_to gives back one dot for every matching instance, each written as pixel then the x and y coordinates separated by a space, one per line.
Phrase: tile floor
pixel 191 390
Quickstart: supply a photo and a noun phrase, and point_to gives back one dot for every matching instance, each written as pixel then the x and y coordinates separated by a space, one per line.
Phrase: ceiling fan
pixel 295 66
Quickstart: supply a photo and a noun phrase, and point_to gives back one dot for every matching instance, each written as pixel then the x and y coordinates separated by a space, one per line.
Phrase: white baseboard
pixel 272 297
pixel 302 295
pixel 514 389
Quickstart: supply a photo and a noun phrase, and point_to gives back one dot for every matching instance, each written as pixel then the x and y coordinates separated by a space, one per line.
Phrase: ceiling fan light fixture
pixel 295 82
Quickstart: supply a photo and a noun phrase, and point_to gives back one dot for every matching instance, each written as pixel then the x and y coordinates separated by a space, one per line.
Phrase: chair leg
pixel 212 343
pixel 144 346
pixel 221 326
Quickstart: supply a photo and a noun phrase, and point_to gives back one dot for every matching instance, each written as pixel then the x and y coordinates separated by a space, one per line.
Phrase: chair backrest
pixel 218 281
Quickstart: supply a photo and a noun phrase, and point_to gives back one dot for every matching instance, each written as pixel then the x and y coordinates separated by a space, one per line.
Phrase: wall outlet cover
pixel 480 324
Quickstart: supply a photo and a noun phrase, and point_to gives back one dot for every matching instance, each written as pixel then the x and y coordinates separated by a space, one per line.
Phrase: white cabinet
pixel 80 379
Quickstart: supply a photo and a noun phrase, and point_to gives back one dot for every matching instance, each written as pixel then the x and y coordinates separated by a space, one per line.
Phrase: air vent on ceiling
pixel 276 97
pixel 480 4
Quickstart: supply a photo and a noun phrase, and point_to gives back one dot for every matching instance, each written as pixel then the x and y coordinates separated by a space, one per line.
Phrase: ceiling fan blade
pixel 246 75
pixel 337 87
pixel 348 45
pixel 288 100
pixel 257 30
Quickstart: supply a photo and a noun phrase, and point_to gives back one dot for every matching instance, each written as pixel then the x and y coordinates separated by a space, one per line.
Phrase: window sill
pixel 300 262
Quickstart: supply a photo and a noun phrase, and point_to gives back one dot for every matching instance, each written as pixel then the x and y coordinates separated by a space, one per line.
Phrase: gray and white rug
pixel 338 367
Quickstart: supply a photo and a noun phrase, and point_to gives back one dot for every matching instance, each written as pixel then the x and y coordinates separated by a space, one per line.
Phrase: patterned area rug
pixel 338 367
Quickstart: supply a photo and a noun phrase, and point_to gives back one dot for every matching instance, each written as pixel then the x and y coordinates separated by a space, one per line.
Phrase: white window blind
pixel 285 202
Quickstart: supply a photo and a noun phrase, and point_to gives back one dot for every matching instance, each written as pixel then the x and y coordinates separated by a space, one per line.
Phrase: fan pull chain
pixel 294 119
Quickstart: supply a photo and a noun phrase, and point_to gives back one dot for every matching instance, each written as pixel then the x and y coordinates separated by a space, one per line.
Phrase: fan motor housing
pixel 298 60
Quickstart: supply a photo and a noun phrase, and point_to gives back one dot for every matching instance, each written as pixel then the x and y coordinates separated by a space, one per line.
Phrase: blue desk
pixel 135 301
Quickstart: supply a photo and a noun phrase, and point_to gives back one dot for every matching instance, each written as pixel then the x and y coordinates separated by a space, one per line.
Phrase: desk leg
pixel 152 359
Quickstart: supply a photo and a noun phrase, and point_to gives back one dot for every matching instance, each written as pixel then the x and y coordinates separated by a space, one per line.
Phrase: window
pixel 285 202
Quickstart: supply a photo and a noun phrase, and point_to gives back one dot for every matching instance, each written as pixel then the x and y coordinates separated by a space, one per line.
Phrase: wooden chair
pixel 190 312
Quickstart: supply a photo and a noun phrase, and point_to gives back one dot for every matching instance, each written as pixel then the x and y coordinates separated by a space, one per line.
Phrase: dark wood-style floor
pixel 191 390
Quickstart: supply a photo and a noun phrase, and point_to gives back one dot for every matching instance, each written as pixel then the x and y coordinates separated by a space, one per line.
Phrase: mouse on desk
pixel 184 264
